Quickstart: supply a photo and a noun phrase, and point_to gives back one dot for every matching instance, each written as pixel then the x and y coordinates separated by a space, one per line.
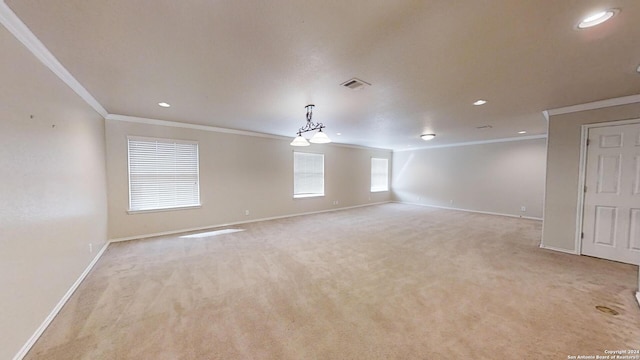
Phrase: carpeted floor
pixel 389 281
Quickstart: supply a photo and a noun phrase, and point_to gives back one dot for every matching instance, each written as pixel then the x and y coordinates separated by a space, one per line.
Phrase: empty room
pixel 320 179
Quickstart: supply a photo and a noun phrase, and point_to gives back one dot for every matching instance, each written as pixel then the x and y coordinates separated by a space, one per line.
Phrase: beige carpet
pixel 383 282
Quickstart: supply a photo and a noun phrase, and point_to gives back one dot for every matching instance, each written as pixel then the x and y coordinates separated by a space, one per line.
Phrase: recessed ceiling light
pixel 338 134
pixel 480 102
pixel 597 19
pixel 427 137
pixel 522 132
pixel 164 104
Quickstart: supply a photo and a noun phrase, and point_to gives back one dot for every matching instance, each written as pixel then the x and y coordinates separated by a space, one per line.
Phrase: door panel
pixel 605 227
pixel 634 230
pixel 610 141
pixel 609 174
pixel 611 227
pixel 636 180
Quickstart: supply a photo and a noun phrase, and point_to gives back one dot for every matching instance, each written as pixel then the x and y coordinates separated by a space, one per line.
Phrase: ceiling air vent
pixel 355 84
pixel 484 127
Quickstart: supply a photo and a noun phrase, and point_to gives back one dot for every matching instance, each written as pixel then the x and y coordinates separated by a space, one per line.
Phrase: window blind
pixel 163 174
pixel 379 174
pixel 308 174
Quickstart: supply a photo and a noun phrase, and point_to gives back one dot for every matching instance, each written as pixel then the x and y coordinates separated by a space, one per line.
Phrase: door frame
pixel 583 174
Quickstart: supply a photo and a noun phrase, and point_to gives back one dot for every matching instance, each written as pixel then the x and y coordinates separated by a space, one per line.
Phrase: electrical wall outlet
pixel 523 208
pixel 90 248
pixel 246 212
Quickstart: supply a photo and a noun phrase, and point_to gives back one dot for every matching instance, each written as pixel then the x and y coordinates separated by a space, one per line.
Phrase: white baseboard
pixel 638 297
pixel 36 335
pixel 473 211
pixel 542 246
pixel 47 321
pixel 566 251
pixel 180 231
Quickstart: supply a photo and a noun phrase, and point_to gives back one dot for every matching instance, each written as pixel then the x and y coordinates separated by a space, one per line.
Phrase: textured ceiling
pixel 254 65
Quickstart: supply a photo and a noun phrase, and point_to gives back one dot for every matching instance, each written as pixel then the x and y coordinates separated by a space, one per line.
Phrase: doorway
pixel 611 210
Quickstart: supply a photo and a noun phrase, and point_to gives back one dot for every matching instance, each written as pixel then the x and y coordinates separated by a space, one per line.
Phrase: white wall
pixel 495 177
pixel 52 194
pixel 237 173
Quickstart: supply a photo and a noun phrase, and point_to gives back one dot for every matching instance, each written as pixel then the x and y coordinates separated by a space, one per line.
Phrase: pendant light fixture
pixel 317 138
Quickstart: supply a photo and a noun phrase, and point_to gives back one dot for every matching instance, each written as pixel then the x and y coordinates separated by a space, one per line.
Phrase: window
pixel 379 175
pixel 308 175
pixel 163 174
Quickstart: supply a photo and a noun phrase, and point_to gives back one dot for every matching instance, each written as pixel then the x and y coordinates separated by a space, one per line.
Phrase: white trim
pixel 177 208
pixel 479 142
pixel 47 321
pixel 566 251
pixel 164 140
pixel 177 124
pixel 172 232
pixel 357 146
pixel 545 113
pixel 21 32
pixel 472 211
pixel 36 335
pixel 582 168
pixel 613 123
pixel 544 189
pixel 625 100
pixel 638 297
pixel 582 173
pixel 303 196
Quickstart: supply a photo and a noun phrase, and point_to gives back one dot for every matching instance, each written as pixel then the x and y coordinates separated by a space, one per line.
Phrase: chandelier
pixel 317 138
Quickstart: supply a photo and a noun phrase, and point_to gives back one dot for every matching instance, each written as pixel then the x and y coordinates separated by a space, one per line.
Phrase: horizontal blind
pixel 163 174
pixel 379 174
pixel 308 174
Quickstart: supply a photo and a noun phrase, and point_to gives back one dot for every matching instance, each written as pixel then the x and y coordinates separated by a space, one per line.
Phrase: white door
pixel 611 227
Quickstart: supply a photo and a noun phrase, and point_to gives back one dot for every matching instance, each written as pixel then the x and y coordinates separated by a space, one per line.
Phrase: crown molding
pixel 176 124
pixel 545 113
pixel 625 100
pixel 479 142
pixel 21 32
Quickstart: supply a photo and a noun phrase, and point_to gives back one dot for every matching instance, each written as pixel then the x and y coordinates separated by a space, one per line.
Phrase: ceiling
pixel 254 65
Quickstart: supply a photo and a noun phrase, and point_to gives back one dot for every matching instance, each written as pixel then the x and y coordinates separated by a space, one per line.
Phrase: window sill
pixel 301 196
pixel 132 212
pixel 373 191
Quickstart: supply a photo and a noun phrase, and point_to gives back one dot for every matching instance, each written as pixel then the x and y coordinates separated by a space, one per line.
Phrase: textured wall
pixel 237 173
pixel 53 194
pixel 496 177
